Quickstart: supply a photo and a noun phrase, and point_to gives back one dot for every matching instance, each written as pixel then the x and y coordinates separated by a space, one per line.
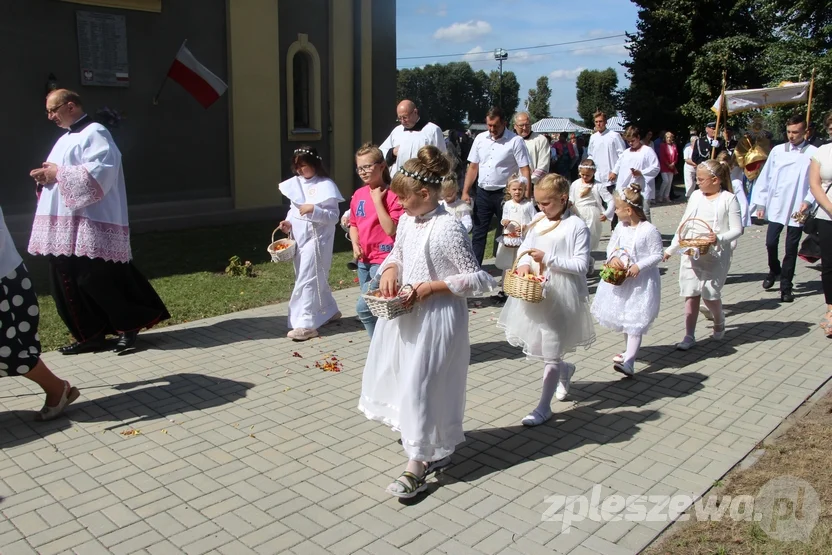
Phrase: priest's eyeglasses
pixel 50 111
pixel 365 169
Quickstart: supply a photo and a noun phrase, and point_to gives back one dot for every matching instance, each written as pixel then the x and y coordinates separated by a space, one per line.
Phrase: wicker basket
pixel 521 287
pixel 282 250
pixel 393 307
pixel 615 276
pixel 514 240
pixel 689 239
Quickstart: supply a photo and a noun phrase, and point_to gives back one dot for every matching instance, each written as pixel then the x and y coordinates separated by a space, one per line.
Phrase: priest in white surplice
pixel 407 138
pixel 540 154
pixel 782 190
pixel 605 146
pixel 637 164
pixel 81 227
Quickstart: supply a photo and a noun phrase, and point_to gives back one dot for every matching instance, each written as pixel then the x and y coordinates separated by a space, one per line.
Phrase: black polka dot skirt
pixel 19 317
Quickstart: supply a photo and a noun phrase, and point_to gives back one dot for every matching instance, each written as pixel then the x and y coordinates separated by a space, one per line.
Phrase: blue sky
pixel 476 27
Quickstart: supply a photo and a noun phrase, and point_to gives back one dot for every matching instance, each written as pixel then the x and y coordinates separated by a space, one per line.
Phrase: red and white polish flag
pixel 196 78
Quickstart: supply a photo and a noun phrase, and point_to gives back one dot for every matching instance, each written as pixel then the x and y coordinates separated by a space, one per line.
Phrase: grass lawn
pixel 187 270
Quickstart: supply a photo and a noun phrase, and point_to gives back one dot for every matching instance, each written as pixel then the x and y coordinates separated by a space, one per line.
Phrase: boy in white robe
pixel 781 191
pixel 638 164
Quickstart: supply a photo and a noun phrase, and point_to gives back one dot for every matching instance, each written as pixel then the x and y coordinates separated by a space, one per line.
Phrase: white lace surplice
pixel 561 321
pixel 632 306
pixel 417 367
pixel 85 212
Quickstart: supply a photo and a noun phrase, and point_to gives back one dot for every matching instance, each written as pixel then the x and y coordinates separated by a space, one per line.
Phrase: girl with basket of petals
pixel 556 247
pixel 518 213
pixel 631 306
pixel 711 223
pixel 586 195
pixel 417 366
pixel 311 221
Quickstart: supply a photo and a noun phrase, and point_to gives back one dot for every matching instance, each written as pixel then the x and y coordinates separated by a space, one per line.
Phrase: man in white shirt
pixel 782 190
pixel 409 136
pixel 605 147
pixel 494 157
pixel 538 148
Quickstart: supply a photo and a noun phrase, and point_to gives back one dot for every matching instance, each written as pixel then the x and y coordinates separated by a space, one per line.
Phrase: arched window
pixel 303 90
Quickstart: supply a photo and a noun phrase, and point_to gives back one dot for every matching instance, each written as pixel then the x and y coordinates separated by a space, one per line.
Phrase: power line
pixel 514 49
pixel 489 57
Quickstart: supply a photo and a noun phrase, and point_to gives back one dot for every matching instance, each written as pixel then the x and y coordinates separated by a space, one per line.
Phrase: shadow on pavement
pixel 170 395
pixel 588 422
pixel 235 330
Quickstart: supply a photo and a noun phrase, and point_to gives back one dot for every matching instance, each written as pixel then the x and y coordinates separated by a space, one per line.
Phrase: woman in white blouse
pixel 820 183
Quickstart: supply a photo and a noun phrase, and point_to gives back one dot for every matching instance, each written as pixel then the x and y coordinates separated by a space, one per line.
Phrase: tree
pixel 679 52
pixel 446 94
pixel 538 101
pixel 596 91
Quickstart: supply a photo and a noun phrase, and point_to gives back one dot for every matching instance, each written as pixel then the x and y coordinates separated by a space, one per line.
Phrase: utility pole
pixel 501 54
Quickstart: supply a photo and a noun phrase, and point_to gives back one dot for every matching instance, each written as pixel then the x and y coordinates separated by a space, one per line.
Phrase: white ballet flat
pixel 564 381
pixel 686 343
pixel 535 418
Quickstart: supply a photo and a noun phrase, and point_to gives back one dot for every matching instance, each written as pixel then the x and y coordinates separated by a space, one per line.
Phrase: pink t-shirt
pixel 375 243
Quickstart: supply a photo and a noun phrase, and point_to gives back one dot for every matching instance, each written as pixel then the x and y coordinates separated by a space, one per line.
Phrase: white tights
pixel 692 313
pixel 551 372
pixel 633 345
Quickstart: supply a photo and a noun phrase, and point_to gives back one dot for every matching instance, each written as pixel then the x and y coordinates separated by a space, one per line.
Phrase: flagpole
pixel 811 90
pixel 719 114
pixel 165 80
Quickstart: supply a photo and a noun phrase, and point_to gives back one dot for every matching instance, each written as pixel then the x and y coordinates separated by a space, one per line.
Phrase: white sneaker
pixel 564 380
pixel 302 334
pixel 624 368
pixel 706 313
pixel 618 358
pixel 536 418
pixel 336 316
pixel 686 343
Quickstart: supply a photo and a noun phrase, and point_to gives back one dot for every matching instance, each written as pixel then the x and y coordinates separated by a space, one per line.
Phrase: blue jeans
pixel 368 279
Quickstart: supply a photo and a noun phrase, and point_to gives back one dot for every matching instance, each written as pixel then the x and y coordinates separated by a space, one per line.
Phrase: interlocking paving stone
pixel 243 449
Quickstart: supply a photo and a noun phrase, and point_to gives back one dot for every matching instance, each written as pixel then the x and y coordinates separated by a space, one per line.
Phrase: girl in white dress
pixel 416 371
pixel 311 220
pixel 631 307
pixel 703 275
pixel 736 185
pixel 586 194
pixel 462 211
pixel 517 209
pixel 559 245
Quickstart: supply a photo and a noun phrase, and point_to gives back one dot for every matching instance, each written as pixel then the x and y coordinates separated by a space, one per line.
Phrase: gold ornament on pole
pixel 719 113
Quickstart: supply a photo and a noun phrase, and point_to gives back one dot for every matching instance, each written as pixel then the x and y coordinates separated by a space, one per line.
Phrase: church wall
pixel 176 150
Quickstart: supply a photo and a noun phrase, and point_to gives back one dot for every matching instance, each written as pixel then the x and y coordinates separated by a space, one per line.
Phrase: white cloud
pixel 463 32
pixel 476 54
pixel 606 50
pixel 566 74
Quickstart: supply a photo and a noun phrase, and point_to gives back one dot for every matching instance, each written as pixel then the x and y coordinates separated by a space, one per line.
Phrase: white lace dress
pixel 589 208
pixel 561 321
pixel 632 306
pixel 417 367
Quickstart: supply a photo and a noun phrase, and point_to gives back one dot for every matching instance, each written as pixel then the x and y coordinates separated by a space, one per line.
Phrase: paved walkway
pixel 246 447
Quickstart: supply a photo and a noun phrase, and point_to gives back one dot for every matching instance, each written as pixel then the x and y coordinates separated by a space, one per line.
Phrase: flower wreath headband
pixel 710 171
pixel 306 151
pixel 628 201
pixel 586 167
pixel 426 178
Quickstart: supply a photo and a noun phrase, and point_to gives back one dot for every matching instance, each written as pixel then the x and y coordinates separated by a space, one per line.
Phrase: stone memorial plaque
pixel 102 49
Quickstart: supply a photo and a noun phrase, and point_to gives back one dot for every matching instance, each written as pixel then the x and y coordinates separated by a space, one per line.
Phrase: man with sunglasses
pixel 409 136
pixel 81 227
